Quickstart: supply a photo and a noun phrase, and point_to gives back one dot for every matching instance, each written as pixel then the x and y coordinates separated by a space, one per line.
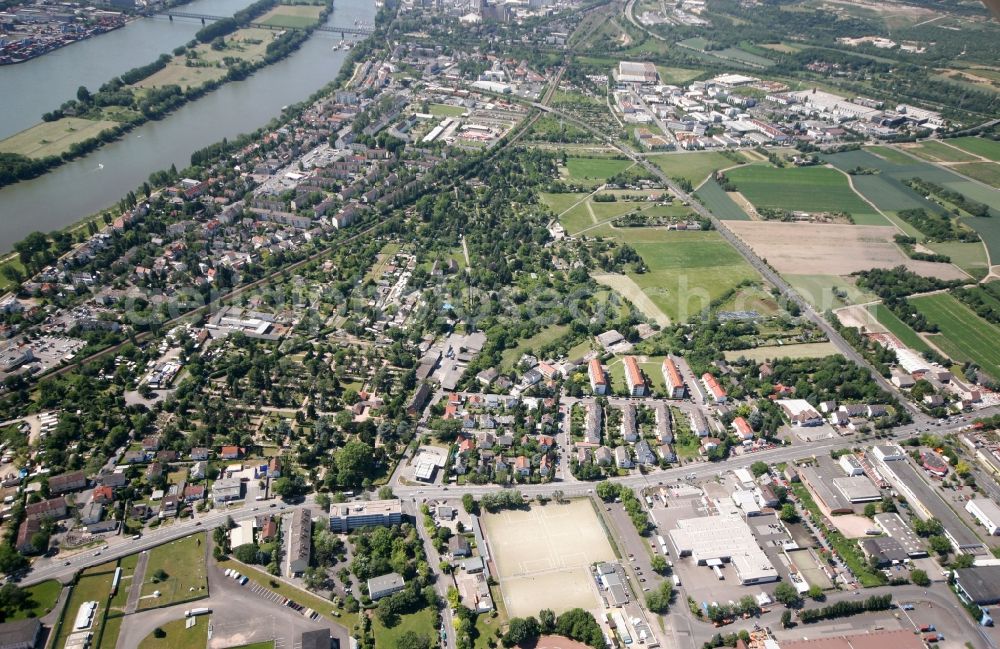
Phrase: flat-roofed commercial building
pixel 712 539
pixel 986 512
pixel 345 517
pixel 379 587
pixel 893 524
pixel 633 72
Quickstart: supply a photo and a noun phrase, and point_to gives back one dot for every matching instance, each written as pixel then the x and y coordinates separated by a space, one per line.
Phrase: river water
pixel 95 181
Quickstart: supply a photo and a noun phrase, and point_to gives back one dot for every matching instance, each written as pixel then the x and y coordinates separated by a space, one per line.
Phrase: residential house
pixel 634 379
pixel 629 428
pixel 598 378
pixel 622 458
pixel 672 379
pixel 67 482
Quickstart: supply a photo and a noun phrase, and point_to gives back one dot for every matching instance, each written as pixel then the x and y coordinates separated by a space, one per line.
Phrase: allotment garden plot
pixel 543 554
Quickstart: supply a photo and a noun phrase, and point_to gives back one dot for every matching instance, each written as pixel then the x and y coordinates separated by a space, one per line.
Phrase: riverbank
pixel 152 91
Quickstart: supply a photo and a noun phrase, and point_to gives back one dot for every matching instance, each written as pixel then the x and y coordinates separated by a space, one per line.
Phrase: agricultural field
pixel 890 154
pixel 183 561
pixel 594 171
pixel 898 328
pixel 802 350
pixel 964 335
pixel 53 138
pixel 542 554
pixel 694 167
pixel 807 189
pixel 989 149
pixel 719 202
pixel 936 151
pixel 813 248
pixel 292 16
pixel 984 172
pixel 970 257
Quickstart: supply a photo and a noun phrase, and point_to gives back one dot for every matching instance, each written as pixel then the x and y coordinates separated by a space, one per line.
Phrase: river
pixel 97 180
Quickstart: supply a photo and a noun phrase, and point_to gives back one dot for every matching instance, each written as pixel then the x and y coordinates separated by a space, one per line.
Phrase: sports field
pixel 446 110
pixel 806 189
pixel 543 555
pixel 53 138
pixel 964 335
pixel 594 171
pixel 685 270
pixel 803 350
pixel 677 76
pixel 978 146
pixel 293 16
pixel 695 166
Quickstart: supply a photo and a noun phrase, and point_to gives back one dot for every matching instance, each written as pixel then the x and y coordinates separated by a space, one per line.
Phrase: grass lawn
pixel 651 367
pixel 984 172
pixel 818 290
pixel 687 270
pixel 594 170
pixel 177 637
pixel 293 16
pixel 536 342
pixel 109 636
pixel 559 203
pixel 898 328
pixel 181 75
pixel 964 335
pixel 807 189
pixel 939 152
pixel 53 138
pixel 421 623
pixel 978 146
pixel 93 585
pixel 42 598
pixel 486 627
pixel 677 76
pixel 444 110
pixel 804 350
pixel 316 603
pixel 184 562
pixel 257 645
pixel 970 257
pixel 695 167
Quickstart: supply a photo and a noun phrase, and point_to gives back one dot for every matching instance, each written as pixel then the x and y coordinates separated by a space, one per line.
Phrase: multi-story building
pixel 345 517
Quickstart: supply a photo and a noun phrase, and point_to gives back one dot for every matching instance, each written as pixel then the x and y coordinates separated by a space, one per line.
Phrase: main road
pixel 62 568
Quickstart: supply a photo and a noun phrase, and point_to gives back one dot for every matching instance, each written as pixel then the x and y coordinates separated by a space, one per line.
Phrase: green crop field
pixel 594 170
pixel 719 203
pixel 53 138
pixel 890 154
pixel 938 152
pixel 979 146
pixel 292 16
pixel 695 167
pixel 964 335
pixel 184 562
pixel 984 172
pixel 809 189
pixel 898 328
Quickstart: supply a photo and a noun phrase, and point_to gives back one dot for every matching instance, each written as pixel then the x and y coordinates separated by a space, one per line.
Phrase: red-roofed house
pixel 598 379
pixel 633 378
pixel 714 389
pixel 742 428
